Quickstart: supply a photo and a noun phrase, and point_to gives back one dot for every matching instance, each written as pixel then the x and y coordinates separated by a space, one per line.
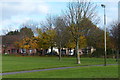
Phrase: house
pixel 67 51
pixel 8 45
pixel 28 51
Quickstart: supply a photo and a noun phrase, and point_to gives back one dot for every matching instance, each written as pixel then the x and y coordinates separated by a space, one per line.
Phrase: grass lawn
pixel 13 63
pixel 81 72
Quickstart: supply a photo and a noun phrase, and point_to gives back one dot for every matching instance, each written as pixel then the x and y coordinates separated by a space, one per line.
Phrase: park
pixel 18 63
pixel 76 39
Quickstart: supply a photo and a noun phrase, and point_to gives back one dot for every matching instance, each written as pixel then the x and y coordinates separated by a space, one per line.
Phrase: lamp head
pixel 103 5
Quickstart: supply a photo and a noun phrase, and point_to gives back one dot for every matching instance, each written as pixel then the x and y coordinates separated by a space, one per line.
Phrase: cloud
pixel 15 8
pixel 13 14
pixel 15 20
pixel 16 12
pixel 43 9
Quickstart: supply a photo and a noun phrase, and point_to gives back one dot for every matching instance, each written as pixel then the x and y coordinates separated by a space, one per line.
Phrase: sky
pixel 119 11
pixel 15 13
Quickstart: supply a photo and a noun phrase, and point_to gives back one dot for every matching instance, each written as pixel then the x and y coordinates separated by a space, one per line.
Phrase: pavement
pixel 8 73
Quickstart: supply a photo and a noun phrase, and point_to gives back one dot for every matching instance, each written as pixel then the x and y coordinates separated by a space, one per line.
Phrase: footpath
pixel 8 73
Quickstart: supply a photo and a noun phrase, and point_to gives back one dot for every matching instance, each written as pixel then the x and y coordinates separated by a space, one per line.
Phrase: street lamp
pixel 104 33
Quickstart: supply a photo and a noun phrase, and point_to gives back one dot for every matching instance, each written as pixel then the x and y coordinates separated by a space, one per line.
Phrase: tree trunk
pixel 59 54
pixel 42 52
pixel 77 52
pixel 117 56
pixel 52 50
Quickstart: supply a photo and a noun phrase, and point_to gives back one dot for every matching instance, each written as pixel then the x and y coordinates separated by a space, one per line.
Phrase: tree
pixel 48 28
pixel 16 32
pixel 115 33
pixel 82 42
pixel 62 34
pixel 95 37
pixel 48 23
pixel 76 16
pixel 27 43
pixel 51 33
pixel 26 32
pixel 46 39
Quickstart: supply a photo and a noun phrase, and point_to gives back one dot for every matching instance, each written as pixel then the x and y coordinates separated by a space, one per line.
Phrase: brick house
pixel 8 45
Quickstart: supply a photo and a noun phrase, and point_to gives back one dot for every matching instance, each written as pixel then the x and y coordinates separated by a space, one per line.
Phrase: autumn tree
pixel 76 15
pixel 82 42
pixel 51 33
pixel 27 43
pixel 46 39
pixel 47 26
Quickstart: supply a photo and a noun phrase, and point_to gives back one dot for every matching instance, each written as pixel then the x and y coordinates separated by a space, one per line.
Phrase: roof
pixel 10 39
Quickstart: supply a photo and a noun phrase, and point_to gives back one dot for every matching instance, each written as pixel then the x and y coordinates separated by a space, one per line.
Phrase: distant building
pixel 8 45
pixel 119 11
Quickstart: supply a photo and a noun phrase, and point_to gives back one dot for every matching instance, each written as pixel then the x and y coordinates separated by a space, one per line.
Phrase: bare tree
pixel 48 27
pixel 76 15
pixel 48 23
pixel 62 35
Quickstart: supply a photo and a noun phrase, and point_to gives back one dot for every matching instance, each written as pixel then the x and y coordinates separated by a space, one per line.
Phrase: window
pixel 13 50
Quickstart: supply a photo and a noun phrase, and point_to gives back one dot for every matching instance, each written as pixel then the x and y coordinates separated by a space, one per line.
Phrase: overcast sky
pixel 14 13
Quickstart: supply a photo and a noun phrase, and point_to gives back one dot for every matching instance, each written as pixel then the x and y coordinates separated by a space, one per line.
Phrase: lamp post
pixel 104 33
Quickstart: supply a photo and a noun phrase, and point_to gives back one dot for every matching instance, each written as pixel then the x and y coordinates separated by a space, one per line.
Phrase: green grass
pixel 13 63
pixel 80 72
